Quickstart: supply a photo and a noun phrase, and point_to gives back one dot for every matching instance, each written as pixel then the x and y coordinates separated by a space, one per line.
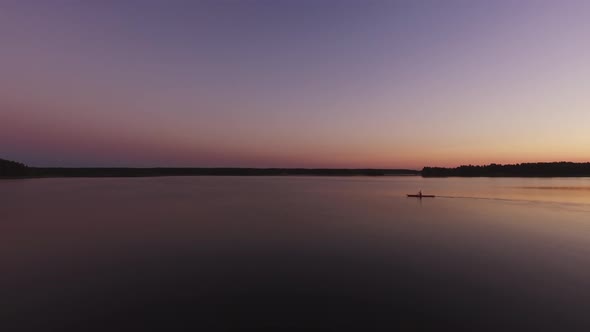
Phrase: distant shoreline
pixel 526 170
pixel 37 172
pixel 15 170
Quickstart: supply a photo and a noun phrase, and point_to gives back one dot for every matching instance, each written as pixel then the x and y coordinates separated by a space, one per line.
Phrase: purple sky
pixel 294 83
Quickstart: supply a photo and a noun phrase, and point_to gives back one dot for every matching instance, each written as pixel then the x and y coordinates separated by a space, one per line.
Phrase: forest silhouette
pixel 541 169
pixel 13 169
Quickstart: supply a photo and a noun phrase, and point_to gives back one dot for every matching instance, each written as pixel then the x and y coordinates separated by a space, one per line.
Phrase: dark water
pixel 294 253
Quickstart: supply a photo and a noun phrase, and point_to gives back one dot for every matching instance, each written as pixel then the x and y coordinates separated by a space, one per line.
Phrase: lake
pixel 301 253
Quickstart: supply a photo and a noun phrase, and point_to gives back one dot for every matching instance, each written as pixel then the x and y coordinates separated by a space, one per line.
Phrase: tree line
pixel 550 169
pixel 15 169
pixel 558 169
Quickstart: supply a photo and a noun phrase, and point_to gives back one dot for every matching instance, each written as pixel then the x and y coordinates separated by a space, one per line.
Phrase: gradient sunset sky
pixel 392 84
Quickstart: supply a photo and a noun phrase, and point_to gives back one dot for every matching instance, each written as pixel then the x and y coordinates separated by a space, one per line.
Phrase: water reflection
pixel 292 253
pixel 558 188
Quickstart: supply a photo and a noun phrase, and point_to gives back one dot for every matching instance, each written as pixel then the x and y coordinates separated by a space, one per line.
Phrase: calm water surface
pixel 327 253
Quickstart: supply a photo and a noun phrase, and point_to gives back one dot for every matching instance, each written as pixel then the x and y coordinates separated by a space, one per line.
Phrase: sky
pixel 276 83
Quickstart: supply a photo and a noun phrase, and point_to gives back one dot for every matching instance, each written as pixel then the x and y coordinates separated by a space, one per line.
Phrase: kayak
pixel 420 196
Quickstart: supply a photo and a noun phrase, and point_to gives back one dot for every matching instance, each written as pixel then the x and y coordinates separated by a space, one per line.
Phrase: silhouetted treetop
pixel 12 168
